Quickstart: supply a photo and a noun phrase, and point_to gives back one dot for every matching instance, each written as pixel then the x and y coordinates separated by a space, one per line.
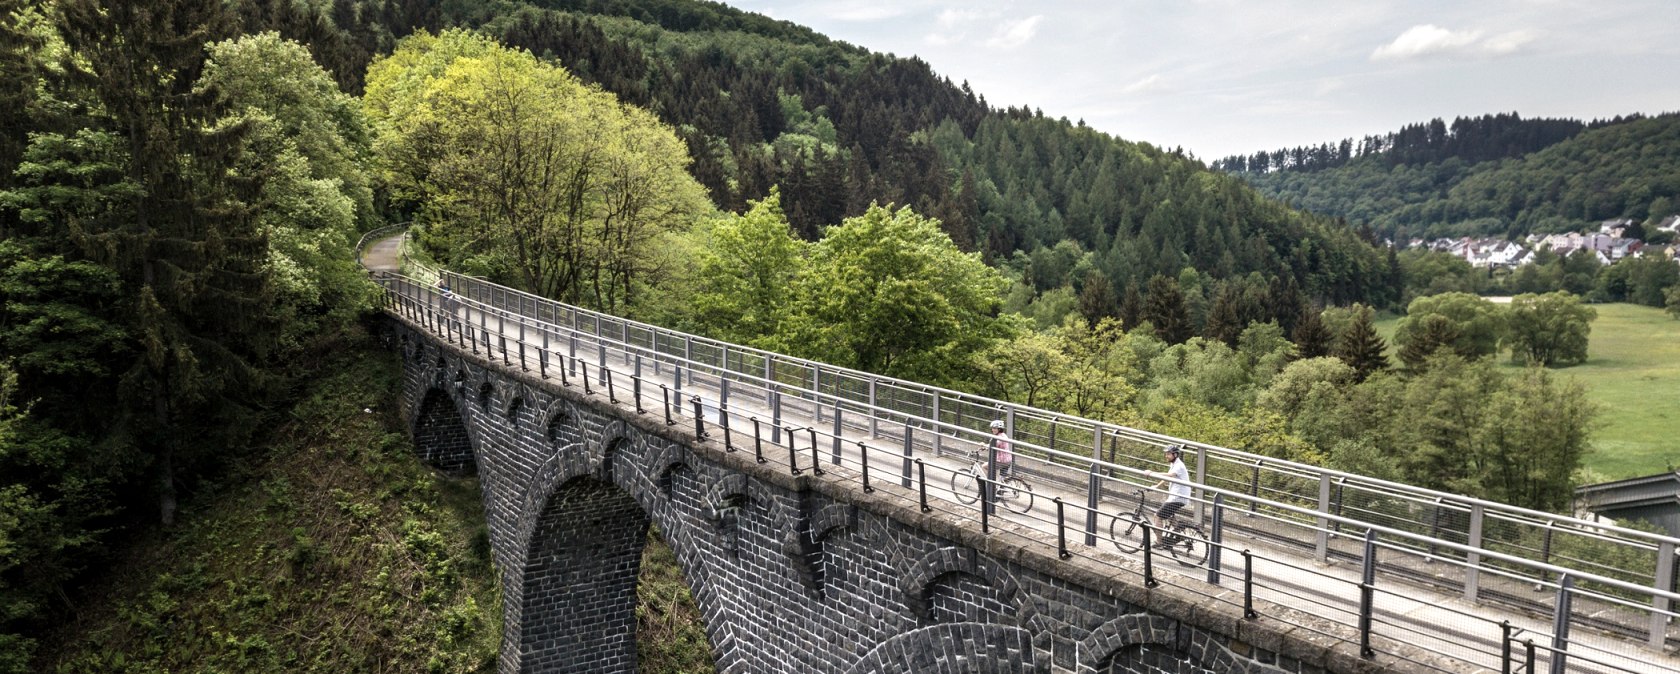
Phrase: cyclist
pixel 1178 491
pixel 1005 458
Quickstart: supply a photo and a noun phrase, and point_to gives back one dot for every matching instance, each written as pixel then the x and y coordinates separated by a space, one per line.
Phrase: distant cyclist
pixel 1177 479
pixel 1005 458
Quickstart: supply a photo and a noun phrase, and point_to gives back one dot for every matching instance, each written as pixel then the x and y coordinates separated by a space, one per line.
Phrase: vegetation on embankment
pixel 1631 371
pixel 334 550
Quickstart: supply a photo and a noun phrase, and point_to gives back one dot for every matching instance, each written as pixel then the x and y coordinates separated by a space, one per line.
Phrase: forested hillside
pixel 182 183
pixel 1499 176
pixel 762 103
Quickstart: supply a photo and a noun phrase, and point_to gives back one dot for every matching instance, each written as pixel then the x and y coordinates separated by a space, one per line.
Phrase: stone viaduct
pixel 793 573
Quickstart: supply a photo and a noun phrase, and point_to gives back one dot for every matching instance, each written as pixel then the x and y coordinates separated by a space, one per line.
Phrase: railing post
pixel 873 413
pixel 666 392
pixel 636 382
pixel 699 420
pixel 1092 487
pixel 1322 551
pixel 921 472
pixel 1200 479
pixel 1148 555
pixel 1254 488
pixel 775 414
pixel 586 389
pixel 1248 585
pixel 601 362
pixel 1367 594
pixel 1061 532
pixel 758 443
pixel 1663 581
pixel 793 454
pixel 938 431
pixel 863 456
pixel 542 356
pixel 1505 647
pixel 728 439
pixel 837 431
pixel 1216 536
pixel 572 342
pixel 1473 560
pixel 909 449
pixel 1560 623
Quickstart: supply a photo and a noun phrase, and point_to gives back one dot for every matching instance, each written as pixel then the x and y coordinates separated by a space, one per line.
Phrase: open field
pixel 1633 372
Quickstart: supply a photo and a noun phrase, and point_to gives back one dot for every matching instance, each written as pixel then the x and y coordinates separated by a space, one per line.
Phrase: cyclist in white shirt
pixel 1177 480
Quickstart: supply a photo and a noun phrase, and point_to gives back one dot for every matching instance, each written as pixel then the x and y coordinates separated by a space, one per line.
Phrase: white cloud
pixel 1150 83
pixel 1013 34
pixel 1430 40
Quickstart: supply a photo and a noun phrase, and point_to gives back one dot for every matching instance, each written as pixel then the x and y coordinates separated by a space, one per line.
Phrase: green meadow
pixel 1633 373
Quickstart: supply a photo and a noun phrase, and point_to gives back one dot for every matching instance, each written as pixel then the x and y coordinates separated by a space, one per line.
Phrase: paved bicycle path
pixel 1467 632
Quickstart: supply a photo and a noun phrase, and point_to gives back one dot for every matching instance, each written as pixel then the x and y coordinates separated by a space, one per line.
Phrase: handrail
pixel 827 386
pixel 1650 539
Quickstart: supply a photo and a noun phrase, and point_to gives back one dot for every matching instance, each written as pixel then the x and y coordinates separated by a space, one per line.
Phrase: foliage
pixel 334 551
pixel 745 265
pixel 1359 345
pixel 670 634
pixel 523 173
pixel 1550 329
pixel 1616 170
pixel 308 143
pixel 888 292
pixel 1469 325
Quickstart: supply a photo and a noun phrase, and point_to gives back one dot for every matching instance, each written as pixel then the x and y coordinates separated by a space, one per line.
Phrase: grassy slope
pixel 337 553
pixel 1633 372
pixel 340 552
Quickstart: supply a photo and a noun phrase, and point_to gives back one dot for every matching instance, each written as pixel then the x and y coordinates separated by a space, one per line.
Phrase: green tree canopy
pixel 888 292
pixel 1473 326
pixel 521 172
pixel 1550 329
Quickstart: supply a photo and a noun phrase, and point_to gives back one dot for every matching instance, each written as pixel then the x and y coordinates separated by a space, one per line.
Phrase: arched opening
pixel 440 436
pixel 594 556
pixel 486 393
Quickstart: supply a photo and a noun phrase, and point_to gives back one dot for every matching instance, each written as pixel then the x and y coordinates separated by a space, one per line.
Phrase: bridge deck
pixel 1413 599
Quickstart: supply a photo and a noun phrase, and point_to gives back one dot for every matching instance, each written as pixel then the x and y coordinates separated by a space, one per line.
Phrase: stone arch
pixel 576 604
pixel 951 582
pixel 486 395
pixel 1123 643
pixel 664 468
pixel 954 648
pixel 441 438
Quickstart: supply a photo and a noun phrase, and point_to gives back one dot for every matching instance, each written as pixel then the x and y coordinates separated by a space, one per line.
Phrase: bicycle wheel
pixel 1126 532
pixel 1018 495
pixel 1191 548
pixel 965 486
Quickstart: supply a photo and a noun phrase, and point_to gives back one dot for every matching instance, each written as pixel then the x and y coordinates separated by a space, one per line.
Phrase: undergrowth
pixel 339 552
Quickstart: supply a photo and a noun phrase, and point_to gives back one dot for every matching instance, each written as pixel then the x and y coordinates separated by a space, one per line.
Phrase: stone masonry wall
pixel 791 573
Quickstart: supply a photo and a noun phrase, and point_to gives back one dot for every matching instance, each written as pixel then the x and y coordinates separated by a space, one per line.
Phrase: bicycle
pixel 1185 541
pixel 1012 492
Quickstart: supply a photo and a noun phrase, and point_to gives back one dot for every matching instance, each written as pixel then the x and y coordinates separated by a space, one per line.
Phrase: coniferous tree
pixel 171 224
pixel 1131 307
pixel 1360 346
pixel 1432 333
pixel 1166 310
pixel 1312 339
pixel 1224 320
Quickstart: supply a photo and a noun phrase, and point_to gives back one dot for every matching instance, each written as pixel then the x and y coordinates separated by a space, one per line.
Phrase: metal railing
pixel 1539 564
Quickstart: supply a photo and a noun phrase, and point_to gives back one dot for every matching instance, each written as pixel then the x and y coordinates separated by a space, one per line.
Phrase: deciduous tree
pixel 1550 329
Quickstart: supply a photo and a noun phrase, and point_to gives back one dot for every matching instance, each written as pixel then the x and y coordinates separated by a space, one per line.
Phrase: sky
pixel 1223 77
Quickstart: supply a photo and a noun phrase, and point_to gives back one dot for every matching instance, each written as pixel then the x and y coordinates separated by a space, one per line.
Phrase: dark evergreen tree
pixel 1224 320
pixel 1131 307
pixel 1360 346
pixel 1096 298
pixel 1311 337
pixel 1166 310
pixel 171 224
pixel 1433 333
